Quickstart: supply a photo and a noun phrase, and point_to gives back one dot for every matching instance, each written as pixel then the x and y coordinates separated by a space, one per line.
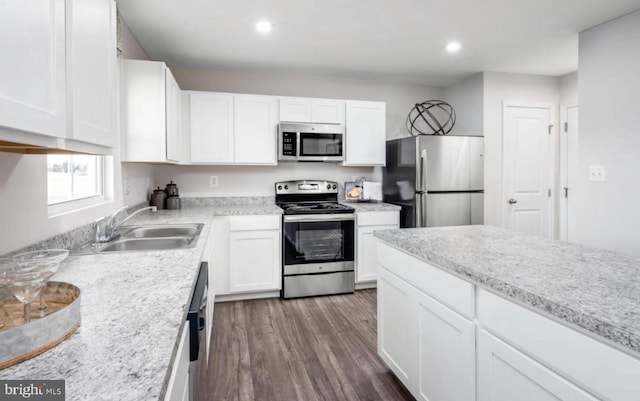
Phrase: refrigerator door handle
pixel 423 170
pixel 421 209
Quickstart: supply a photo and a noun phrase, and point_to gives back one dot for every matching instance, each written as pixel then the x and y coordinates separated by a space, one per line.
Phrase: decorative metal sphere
pixel 433 117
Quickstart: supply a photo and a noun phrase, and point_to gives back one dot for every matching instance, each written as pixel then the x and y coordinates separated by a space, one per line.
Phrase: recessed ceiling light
pixel 453 47
pixel 264 26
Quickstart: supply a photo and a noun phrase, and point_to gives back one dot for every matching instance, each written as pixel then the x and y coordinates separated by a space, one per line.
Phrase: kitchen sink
pixel 160 231
pixel 146 244
pixel 147 238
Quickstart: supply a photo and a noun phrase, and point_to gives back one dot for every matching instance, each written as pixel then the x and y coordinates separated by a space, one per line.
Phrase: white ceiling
pixel 395 40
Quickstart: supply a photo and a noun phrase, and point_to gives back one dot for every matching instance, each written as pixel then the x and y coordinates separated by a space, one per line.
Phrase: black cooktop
pixel 315 208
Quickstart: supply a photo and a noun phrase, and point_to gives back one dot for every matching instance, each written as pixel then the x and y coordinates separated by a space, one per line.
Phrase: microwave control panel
pixel 289 144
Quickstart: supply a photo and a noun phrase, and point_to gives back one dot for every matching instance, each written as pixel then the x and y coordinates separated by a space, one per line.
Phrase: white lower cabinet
pixel 506 374
pixel 440 334
pixel 246 254
pixel 395 321
pixel 366 224
pixel 428 346
pixel 178 386
pixel 254 258
pixel 445 349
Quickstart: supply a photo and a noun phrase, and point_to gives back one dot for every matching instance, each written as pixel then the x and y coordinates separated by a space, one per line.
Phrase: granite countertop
pixel 593 289
pixel 371 206
pixel 133 307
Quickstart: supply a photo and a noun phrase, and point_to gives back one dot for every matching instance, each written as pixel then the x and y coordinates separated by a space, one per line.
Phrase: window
pixel 74 178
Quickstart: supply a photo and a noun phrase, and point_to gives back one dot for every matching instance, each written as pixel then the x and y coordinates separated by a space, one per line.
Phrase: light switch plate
pixel 596 173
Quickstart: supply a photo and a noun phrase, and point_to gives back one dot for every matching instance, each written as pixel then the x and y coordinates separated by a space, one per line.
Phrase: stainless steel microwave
pixel 311 142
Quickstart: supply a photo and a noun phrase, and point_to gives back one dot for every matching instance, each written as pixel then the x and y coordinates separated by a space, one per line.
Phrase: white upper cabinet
pixel 152 113
pixel 32 92
pixel 58 79
pixel 233 129
pixel 307 110
pixel 365 133
pixel 173 103
pixel 91 63
pixel 211 120
pixel 255 129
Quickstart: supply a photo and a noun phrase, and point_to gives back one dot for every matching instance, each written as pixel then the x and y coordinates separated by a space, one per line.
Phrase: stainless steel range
pixel 318 239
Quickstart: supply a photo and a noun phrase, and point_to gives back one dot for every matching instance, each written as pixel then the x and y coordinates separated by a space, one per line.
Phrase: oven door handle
pixel 319 217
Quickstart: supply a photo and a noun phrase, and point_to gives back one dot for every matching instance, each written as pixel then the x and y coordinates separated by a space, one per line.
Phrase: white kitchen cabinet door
pixel 255 124
pixel 366 252
pixel 178 386
pixel 445 351
pixel 212 127
pixel 506 374
pixel 396 326
pixel 327 111
pixel 91 68
pixel 145 119
pixel 254 260
pixel 174 118
pixel 307 110
pixel 365 133
pixel 295 109
pixel 32 71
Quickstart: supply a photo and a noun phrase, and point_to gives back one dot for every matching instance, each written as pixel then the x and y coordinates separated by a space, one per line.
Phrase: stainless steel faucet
pixel 111 226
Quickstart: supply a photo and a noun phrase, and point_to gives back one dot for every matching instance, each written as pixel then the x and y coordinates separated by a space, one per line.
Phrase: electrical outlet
pixel 596 173
pixel 213 181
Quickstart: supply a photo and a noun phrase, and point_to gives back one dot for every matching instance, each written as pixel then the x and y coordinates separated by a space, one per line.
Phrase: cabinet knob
pixel 513 201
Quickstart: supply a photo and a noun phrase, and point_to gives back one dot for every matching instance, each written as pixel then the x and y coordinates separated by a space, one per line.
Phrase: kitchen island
pixel 565 317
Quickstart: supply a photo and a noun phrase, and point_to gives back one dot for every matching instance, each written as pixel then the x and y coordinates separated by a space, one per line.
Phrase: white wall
pixel 467 99
pixel 608 215
pixel 193 181
pixel 498 88
pixel 569 89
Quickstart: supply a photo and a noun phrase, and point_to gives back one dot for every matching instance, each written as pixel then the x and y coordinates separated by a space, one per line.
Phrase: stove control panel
pixel 306 187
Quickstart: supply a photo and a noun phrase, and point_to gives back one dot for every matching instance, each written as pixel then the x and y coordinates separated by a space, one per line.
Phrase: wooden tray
pixel 19 341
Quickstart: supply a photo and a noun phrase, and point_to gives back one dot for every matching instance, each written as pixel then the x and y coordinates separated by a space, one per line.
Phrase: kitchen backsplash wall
pixel 194 181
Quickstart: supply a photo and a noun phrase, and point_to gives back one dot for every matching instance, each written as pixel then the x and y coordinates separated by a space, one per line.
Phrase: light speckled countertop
pixel 594 289
pixel 133 306
pixel 371 206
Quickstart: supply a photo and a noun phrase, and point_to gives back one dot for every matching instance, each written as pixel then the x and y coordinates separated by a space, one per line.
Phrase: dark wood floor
pixel 309 349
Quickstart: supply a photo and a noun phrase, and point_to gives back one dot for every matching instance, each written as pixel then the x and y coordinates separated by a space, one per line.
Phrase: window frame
pixel 71 205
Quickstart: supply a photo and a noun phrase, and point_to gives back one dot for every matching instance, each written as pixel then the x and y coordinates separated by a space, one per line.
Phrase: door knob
pixel 513 201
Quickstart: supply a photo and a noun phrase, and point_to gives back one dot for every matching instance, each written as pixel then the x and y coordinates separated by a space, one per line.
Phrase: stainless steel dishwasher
pixel 198 336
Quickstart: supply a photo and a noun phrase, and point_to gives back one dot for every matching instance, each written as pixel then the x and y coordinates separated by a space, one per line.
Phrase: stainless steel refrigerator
pixel 437 180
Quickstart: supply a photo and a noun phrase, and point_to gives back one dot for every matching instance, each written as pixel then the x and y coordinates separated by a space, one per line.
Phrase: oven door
pixel 318 243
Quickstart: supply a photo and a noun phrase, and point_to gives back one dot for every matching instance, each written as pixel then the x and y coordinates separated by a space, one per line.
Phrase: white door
pixel 211 127
pixel 527 167
pixel 91 48
pixel 505 374
pixel 255 129
pixel 446 349
pixel 568 172
pixel 366 260
pixel 32 71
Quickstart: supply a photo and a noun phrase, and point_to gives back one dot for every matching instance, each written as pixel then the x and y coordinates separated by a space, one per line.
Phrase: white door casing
pixel 527 167
pixel 568 171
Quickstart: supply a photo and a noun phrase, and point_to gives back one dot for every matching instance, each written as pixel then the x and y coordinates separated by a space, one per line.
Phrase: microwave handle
pixel 298 143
